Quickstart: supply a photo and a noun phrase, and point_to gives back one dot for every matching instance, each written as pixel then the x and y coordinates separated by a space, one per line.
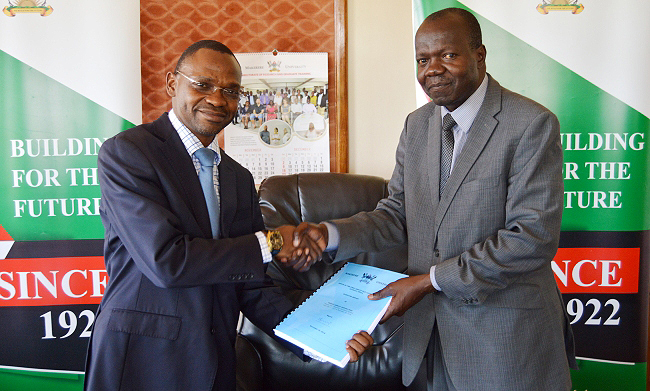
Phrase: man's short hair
pixel 204 44
pixel 475 36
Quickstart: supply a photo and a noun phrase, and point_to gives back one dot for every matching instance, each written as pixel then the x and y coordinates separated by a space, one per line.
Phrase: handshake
pixel 302 245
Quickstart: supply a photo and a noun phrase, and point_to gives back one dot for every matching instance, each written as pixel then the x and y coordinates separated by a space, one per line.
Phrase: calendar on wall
pixel 282 124
pixel 262 165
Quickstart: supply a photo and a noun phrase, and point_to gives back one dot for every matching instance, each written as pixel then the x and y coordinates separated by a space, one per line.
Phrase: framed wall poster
pixel 282 124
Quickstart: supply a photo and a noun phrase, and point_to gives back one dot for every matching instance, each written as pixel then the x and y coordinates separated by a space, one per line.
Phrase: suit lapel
pixel 227 180
pixel 433 151
pixel 479 134
pixel 180 163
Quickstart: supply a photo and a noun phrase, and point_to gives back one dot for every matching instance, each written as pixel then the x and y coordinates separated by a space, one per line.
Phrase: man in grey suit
pixel 185 244
pixel 477 194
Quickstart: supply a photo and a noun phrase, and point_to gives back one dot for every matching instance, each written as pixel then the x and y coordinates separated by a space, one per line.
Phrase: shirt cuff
pixel 264 246
pixel 432 276
pixel 333 237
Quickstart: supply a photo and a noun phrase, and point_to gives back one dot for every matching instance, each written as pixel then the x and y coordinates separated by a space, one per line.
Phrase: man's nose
pixel 217 98
pixel 434 67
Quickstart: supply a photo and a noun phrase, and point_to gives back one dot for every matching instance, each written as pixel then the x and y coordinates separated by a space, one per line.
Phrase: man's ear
pixel 481 53
pixel 170 84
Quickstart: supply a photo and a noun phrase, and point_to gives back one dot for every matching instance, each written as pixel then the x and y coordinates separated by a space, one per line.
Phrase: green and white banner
pixel 587 62
pixel 70 79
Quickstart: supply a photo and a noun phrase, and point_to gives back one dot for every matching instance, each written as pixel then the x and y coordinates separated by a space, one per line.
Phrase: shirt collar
pixel 190 141
pixel 465 114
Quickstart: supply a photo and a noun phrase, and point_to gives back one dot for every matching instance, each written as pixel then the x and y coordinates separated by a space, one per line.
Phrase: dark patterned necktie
pixel 206 158
pixel 446 150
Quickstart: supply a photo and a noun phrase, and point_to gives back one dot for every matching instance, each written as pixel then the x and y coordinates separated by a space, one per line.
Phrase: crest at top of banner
pixel 27 7
pixel 560 5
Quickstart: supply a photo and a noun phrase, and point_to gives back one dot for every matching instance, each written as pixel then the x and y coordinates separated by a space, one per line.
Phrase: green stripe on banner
pixel 11 380
pixel 599 376
pixel 51 135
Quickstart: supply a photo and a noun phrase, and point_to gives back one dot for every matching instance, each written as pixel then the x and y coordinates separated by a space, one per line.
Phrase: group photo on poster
pixel 279 114
pixel 282 121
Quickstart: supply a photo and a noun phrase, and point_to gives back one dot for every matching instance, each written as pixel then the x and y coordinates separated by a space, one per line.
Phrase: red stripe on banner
pixel 52 281
pixel 597 270
pixel 4 235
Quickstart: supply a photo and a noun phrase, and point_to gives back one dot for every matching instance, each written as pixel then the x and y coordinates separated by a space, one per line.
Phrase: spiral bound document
pixel 336 311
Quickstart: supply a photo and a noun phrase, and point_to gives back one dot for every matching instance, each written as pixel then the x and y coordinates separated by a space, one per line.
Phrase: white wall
pixel 381 76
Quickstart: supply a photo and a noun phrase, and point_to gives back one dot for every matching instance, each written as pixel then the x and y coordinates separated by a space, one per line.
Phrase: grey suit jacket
pixel 168 317
pixel 492 234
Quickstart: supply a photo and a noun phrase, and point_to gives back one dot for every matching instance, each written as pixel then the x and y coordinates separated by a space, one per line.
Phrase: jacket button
pixel 436 253
pixel 212 331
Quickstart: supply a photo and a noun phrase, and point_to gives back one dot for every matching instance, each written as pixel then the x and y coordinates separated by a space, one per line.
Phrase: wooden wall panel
pixel 170 26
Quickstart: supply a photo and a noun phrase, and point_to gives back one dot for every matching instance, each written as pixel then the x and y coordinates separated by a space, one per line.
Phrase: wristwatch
pixel 274 240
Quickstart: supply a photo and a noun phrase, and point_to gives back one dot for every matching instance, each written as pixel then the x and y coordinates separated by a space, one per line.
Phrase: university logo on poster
pixel 27 7
pixel 560 5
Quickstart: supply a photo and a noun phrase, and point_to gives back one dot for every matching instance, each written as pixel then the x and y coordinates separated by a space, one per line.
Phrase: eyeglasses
pixel 207 88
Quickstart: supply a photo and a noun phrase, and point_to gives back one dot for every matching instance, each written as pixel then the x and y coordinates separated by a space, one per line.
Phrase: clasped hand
pixel 303 245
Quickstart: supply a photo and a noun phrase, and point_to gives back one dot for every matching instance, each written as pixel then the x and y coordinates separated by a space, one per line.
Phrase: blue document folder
pixel 336 311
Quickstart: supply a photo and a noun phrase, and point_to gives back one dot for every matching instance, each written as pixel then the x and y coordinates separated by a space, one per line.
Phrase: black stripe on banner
pixel 33 337
pixel 57 248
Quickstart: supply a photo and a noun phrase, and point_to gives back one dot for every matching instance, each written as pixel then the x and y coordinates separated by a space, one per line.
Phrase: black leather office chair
pixel 262 363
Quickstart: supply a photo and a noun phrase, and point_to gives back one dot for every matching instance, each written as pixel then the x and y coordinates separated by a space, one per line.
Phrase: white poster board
pixel 282 126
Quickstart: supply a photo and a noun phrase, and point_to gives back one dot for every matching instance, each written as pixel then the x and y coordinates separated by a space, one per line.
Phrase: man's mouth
pixel 438 85
pixel 212 115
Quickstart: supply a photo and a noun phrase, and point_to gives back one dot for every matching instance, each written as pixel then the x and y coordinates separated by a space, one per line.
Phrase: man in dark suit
pixel 477 194
pixel 322 101
pixel 183 257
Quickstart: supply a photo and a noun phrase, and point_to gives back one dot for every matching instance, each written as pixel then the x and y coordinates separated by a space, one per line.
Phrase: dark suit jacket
pixel 168 317
pixel 492 236
pixel 323 101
